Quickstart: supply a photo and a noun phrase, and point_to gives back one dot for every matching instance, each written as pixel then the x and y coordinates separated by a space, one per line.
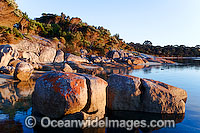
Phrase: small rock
pixel 23 71
pixel 67 68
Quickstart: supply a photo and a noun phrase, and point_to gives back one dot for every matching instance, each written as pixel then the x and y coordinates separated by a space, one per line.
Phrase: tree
pixel 147 42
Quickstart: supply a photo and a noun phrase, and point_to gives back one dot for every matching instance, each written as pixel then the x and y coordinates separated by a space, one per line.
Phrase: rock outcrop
pixel 23 71
pixel 136 94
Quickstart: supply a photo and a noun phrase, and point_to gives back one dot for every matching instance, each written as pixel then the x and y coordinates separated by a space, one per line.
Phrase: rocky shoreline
pixel 66 86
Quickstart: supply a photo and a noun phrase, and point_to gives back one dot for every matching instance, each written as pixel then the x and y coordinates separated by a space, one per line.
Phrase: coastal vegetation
pixel 167 51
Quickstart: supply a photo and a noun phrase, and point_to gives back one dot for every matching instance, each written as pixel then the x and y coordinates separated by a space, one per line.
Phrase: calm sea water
pixel 185 76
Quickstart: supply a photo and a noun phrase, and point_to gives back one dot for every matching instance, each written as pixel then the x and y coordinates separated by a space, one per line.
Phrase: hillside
pixel 72 34
pixel 9 14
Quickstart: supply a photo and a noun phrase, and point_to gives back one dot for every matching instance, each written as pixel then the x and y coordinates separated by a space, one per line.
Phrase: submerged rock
pixel 135 94
pixel 23 71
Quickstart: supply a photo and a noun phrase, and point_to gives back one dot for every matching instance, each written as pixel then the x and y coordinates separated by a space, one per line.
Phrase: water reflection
pixel 15 99
pixel 131 115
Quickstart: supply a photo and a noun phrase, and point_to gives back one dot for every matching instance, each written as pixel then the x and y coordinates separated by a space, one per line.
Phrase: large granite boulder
pixel 57 94
pixel 123 92
pixel 7 52
pixel 136 94
pixel 23 71
pixel 137 60
pixel 74 58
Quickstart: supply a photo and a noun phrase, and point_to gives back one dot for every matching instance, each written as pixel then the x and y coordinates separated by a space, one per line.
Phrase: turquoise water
pixel 187 77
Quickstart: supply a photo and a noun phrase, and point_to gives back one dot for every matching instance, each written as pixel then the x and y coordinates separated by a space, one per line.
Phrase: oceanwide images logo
pixel 30 121
pixel 46 122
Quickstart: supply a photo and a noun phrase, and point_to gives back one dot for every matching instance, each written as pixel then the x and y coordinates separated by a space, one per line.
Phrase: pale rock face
pixel 30 56
pixel 57 94
pixel 23 71
pixel 7 52
pixel 47 55
pixel 131 93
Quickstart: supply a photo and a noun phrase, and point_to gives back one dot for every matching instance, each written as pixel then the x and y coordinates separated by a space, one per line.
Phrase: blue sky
pixel 164 22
